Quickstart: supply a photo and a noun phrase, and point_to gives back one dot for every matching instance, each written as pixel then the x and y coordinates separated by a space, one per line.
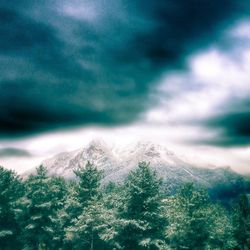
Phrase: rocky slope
pixel 117 162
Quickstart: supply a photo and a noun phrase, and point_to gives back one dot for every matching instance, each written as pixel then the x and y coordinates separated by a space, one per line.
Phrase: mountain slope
pixel 117 162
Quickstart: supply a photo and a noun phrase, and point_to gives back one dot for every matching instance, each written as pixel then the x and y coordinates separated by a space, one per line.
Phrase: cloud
pixel 216 100
pixel 66 64
pixel 234 128
pixel 14 152
pixel 47 145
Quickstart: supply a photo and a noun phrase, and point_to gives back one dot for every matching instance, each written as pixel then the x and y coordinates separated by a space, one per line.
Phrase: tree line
pixel 48 212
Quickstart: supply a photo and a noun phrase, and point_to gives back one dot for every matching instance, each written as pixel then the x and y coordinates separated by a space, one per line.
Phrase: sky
pixel 171 71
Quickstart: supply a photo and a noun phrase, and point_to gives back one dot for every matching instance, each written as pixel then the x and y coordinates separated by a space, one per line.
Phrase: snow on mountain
pixel 97 152
pixel 116 162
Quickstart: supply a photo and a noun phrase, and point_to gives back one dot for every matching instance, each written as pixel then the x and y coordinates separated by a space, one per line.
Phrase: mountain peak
pixel 97 143
pixel 96 146
pixel 117 162
pixel 152 149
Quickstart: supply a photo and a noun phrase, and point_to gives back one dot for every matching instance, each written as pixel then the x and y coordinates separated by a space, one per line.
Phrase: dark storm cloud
pixel 14 152
pixel 67 63
pixel 232 125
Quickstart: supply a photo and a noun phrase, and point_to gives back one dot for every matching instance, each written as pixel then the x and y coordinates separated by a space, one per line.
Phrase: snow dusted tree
pixel 241 221
pixel 44 197
pixel 188 221
pixel 81 192
pixel 45 212
pixel 89 183
pixel 195 223
pixel 220 229
pixel 11 189
pixel 94 228
pixel 84 212
pixel 143 223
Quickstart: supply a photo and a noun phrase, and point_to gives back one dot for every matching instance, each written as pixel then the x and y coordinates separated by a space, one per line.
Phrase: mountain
pixel 116 162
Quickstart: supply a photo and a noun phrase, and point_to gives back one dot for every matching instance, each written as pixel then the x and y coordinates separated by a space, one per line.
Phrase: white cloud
pixel 170 136
pixel 241 30
pixel 86 12
pixel 221 70
pixel 214 78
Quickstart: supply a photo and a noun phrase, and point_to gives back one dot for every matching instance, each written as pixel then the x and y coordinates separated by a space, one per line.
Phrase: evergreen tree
pixel 49 213
pixel 11 189
pixel 44 197
pixel 188 221
pixel 241 218
pixel 71 210
pixel 58 196
pixel 94 228
pixel 195 223
pixel 89 183
pixel 83 196
pixel 143 223
pixel 220 229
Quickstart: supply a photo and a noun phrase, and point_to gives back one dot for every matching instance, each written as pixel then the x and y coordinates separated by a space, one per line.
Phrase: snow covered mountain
pixel 117 162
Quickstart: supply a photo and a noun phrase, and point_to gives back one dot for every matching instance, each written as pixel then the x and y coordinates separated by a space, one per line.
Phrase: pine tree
pixel 143 223
pixel 58 195
pixel 71 210
pixel 44 197
pixel 94 228
pixel 220 228
pixel 83 191
pixel 83 196
pixel 195 223
pixel 89 183
pixel 11 190
pixel 188 221
pixel 241 218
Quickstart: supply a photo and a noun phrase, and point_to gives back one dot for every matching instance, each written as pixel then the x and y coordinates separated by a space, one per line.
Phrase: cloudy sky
pixel 172 71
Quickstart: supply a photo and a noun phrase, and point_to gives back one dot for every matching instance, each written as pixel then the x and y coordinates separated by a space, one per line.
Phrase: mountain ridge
pixel 117 162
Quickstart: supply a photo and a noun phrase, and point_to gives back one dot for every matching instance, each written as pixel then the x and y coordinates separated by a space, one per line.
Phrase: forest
pixel 48 212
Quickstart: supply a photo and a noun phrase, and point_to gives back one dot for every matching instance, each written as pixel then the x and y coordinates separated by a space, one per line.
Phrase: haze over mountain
pixel 117 162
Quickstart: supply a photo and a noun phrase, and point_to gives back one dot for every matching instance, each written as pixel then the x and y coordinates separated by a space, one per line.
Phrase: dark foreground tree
pixel 89 183
pixel 43 199
pixel 195 223
pixel 49 213
pixel 80 193
pixel 94 228
pixel 187 215
pixel 143 223
pixel 11 189
pixel 241 219
pixel 86 215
